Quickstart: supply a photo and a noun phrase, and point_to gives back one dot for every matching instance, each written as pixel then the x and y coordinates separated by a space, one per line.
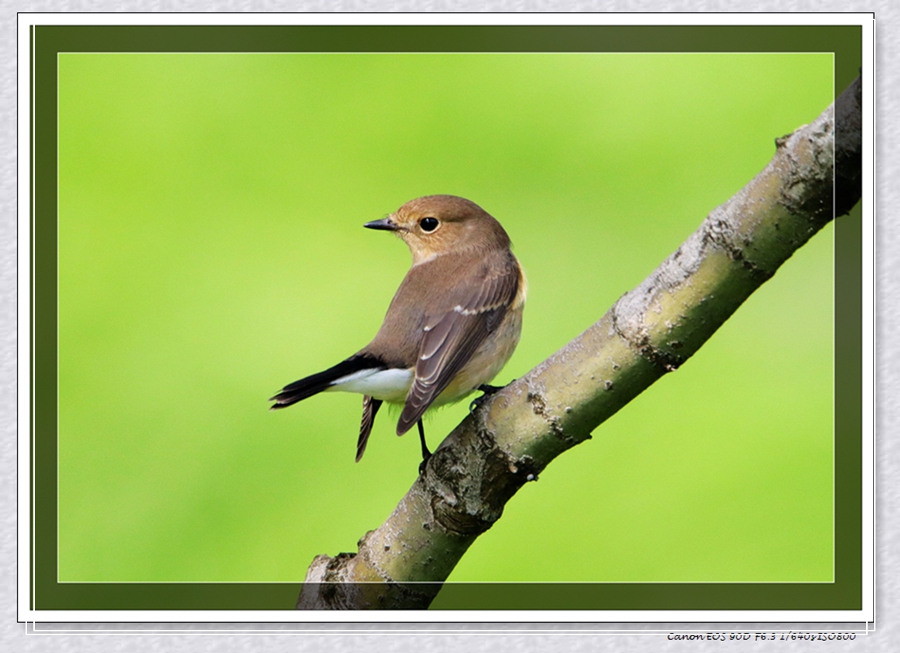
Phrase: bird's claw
pixel 488 390
pixel 423 464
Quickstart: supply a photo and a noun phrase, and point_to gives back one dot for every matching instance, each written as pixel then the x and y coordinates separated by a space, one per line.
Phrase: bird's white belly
pixel 387 385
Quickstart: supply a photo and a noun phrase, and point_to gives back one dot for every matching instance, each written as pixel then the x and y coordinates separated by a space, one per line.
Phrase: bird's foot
pixel 426 454
pixel 488 390
pixel 424 464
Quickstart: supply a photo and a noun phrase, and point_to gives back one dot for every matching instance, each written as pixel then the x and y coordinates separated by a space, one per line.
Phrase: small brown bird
pixel 452 325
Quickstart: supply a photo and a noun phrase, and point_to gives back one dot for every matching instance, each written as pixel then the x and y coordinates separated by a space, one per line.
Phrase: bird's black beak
pixel 385 224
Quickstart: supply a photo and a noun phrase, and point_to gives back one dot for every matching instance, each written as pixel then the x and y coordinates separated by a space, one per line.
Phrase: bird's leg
pixel 488 390
pixel 425 453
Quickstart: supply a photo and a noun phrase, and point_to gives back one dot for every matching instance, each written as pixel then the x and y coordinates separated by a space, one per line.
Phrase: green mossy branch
pixel 649 332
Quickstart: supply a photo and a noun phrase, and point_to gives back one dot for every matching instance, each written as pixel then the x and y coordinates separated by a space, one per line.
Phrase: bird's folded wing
pixel 452 337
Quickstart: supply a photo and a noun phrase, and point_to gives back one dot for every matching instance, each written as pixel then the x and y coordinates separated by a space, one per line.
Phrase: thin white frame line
pixel 867 59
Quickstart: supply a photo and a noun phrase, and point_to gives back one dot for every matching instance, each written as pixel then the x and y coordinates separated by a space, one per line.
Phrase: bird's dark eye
pixel 428 224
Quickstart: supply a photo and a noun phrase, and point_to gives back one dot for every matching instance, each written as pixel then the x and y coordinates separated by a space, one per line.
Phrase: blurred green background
pixel 211 250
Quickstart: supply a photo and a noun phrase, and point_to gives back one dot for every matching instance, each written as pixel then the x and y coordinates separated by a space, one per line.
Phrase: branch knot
pixel 471 480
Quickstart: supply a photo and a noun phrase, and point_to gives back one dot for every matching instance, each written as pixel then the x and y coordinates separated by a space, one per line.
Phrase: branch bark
pixel 649 332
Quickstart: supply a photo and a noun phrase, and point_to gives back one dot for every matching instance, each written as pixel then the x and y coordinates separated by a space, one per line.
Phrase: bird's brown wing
pixel 475 309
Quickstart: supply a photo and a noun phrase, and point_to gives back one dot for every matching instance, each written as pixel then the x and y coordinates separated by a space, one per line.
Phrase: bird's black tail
pixel 316 383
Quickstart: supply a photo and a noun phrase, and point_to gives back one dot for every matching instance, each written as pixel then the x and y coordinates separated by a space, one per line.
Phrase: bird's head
pixel 440 224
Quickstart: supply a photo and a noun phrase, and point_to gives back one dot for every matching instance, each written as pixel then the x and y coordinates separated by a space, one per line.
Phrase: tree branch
pixel 649 332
